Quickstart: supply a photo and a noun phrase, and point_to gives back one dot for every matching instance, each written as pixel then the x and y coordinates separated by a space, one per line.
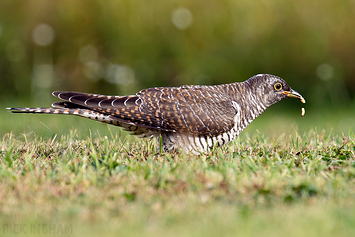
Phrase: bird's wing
pixel 200 110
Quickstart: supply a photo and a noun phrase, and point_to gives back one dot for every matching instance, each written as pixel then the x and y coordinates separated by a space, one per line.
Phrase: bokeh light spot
pixel 93 70
pixel 325 72
pixel 182 18
pixel 43 34
pixel 120 74
pixel 88 53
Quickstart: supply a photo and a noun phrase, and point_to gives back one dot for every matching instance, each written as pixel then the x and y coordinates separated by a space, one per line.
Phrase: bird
pixel 189 118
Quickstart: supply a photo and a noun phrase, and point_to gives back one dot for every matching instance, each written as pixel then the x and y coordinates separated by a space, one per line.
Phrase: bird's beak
pixel 294 94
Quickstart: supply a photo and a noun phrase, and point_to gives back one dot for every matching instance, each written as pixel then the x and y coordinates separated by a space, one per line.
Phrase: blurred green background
pixel 122 46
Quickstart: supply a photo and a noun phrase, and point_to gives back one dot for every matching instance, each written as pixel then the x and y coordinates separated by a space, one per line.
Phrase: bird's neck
pixel 251 102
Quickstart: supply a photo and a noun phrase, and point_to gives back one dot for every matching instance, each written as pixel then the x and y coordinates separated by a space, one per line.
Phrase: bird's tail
pixel 45 110
pixel 86 113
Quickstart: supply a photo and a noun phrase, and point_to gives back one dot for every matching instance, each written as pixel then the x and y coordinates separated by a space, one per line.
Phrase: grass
pixel 90 183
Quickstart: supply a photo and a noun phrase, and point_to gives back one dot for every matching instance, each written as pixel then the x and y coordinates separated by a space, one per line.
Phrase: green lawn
pixel 290 178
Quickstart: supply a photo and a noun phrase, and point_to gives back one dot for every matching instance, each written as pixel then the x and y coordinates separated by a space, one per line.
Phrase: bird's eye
pixel 278 86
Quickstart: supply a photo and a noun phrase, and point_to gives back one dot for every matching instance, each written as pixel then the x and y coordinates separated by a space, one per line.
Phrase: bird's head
pixel 273 89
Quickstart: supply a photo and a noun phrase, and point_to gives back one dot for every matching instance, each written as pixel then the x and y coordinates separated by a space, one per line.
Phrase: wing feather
pixel 200 110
